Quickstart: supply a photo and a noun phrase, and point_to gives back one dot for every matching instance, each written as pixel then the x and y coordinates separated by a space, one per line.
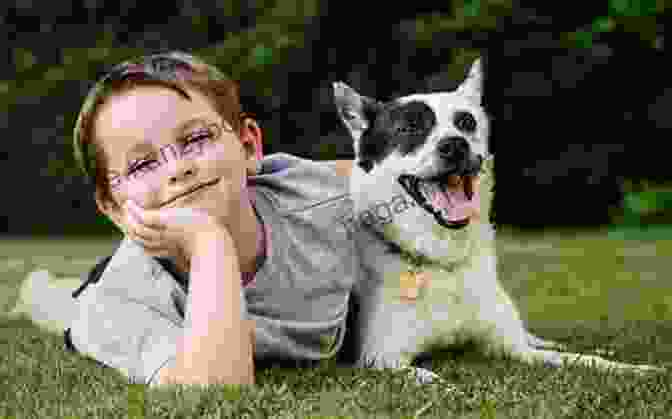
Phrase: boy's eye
pixel 141 166
pixel 189 145
pixel 194 142
pixel 199 135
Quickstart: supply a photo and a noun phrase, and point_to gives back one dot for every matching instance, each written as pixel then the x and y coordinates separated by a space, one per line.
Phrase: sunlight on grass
pixel 569 277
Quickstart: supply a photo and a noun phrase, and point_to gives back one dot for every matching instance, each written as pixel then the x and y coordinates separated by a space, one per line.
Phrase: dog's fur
pixel 459 298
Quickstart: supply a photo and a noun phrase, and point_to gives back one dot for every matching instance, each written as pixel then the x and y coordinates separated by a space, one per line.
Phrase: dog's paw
pixel 539 343
pixel 649 369
pixel 423 376
pixel 641 370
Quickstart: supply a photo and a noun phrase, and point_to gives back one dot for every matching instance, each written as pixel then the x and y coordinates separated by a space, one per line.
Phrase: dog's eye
pixel 349 114
pixel 412 122
pixel 464 121
pixel 411 119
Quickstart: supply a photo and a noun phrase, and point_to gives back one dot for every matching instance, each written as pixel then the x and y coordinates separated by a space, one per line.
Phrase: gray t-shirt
pixel 133 317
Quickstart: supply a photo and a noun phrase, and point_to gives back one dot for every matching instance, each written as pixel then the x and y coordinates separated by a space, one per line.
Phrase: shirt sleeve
pixel 127 335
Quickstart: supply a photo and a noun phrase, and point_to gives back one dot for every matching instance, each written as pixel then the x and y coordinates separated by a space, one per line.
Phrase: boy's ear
pixel 251 139
pixel 110 209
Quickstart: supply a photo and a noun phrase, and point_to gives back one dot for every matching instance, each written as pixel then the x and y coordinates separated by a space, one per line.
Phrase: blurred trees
pixel 575 89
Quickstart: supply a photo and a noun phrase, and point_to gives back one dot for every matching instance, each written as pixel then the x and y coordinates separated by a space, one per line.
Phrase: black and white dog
pixel 421 188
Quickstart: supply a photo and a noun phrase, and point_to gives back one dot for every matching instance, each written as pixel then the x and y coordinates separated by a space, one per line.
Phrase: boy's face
pixel 160 145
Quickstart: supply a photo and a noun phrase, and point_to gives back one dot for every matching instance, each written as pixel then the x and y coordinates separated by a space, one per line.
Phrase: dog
pixel 421 187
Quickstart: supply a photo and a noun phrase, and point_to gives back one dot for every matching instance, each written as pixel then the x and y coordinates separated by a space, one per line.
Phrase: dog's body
pixel 422 191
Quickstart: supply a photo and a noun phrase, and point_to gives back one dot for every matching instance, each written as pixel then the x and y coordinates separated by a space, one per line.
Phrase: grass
pixel 591 290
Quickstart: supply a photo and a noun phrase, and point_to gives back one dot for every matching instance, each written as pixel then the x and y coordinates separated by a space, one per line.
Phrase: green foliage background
pixel 256 53
pixel 260 52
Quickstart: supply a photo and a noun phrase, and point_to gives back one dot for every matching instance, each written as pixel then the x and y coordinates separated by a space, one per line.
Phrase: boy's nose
pixel 181 169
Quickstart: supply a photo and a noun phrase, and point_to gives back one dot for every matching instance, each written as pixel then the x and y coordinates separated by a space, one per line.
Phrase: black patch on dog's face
pixel 404 128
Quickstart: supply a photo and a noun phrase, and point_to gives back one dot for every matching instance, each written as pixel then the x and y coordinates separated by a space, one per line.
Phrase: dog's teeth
pixel 423 187
pixel 430 189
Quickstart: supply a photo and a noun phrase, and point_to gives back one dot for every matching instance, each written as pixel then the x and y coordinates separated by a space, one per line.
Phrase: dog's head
pixel 426 148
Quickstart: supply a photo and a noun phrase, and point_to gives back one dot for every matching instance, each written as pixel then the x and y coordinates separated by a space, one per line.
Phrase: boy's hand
pixel 168 232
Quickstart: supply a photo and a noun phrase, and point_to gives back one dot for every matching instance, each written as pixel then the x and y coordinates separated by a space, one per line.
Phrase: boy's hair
pixel 174 70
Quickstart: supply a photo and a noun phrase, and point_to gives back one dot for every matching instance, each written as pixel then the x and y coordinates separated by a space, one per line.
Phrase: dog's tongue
pixel 453 201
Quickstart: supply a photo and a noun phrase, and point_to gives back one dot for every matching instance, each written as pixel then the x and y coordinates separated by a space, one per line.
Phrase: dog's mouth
pixel 452 199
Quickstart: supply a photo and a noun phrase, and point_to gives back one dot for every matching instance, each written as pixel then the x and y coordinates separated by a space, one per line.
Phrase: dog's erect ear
pixel 472 86
pixel 355 110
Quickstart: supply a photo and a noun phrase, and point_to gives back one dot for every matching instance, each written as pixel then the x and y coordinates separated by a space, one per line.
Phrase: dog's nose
pixel 473 165
pixel 452 147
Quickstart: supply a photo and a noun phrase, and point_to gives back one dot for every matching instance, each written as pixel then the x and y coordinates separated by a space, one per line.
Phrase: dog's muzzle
pixel 448 196
pixel 456 157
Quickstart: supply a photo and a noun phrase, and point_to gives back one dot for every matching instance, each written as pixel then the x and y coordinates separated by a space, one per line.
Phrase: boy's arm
pixel 123 323
pixel 216 345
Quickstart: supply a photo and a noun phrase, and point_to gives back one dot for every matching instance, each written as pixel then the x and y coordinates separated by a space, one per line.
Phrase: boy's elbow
pixel 343 167
pixel 164 377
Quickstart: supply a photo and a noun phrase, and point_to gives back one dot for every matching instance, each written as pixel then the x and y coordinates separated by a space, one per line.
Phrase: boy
pixel 177 167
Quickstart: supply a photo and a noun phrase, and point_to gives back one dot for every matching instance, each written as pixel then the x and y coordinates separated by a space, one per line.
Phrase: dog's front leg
pixel 515 341
pixel 510 336
pixel 384 330
pixel 499 325
pixel 563 359
pixel 384 333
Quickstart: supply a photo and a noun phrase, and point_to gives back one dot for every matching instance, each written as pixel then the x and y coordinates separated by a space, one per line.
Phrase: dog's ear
pixel 356 111
pixel 472 86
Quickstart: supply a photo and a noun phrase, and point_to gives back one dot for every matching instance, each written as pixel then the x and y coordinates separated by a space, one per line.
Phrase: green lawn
pixel 597 292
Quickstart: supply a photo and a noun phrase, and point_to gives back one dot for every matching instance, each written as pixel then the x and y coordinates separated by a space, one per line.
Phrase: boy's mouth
pixel 452 199
pixel 189 193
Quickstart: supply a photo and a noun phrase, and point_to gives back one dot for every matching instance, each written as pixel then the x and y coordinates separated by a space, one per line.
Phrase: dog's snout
pixel 474 164
pixel 452 147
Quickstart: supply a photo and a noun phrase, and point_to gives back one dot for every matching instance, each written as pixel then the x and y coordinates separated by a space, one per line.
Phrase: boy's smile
pixel 191 194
